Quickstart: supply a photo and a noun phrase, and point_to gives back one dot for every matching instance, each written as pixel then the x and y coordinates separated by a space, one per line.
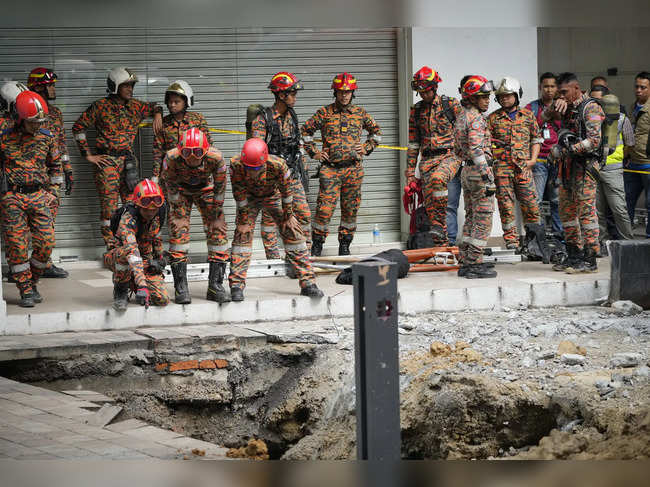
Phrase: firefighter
pixel 8 93
pixel 431 124
pixel 116 119
pixel 341 125
pixel 195 174
pixel 136 253
pixel 473 145
pixel 260 180
pixel 43 81
pixel 31 166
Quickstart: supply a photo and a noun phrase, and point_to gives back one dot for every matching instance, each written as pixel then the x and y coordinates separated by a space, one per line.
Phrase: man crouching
pixel 136 253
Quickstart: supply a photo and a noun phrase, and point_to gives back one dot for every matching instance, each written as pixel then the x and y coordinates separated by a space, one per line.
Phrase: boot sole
pixel 477 276
pixel 217 298
pixel 182 301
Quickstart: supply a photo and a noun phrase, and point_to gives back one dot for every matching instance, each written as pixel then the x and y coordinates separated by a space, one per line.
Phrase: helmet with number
pixel 181 88
pixel 41 77
pixel 344 82
pixel 477 85
pixel 118 76
pixel 509 85
pixel 148 194
pixel 8 94
pixel 193 142
pixel 284 81
pixel 254 153
pixel 30 106
pixel 425 78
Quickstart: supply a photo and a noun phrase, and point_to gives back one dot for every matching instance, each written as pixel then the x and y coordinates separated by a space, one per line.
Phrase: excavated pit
pixel 459 400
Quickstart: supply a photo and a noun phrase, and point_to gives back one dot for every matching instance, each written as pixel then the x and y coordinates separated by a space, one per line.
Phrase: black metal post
pixel 376 361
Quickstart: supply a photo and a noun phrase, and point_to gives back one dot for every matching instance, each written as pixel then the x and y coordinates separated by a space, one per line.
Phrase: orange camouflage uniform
pixel 273 193
pixel 512 141
pixel 136 243
pixel 56 127
pixel 341 130
pixel 31 165
pixel 431 137
pixel 116 125
pixel 203 186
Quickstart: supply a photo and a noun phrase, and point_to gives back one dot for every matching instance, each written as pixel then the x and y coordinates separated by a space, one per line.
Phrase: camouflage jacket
pixel 341 130
pixel 472 140
pixel 116 124
pixel 512 140
pixel 29 160
pixel 276 177
pixel 147 245
pixel 431 130
pixel 258 126
pixel 6 122
pixel 55 125
pixel 171 133
pixel 208 177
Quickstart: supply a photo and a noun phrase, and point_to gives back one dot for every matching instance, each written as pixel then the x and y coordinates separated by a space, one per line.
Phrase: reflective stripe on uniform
pixel 177 247
pixel 570 223
pixel 241 250
pixel 241 203
pixel 80 136
pixel 376 137
pixel 65 157
pixel 476 242
pixel 414 145
pixel 439 194
pixel 590 226
pixel 217 248
pixel 121 267
pixel 317 226
pixel 56 180
pixel 308 138
pixel 586 144
pixel 174 197
pixel 268 228
pixel 134 259
pixel 508 226
pixel 106 223
pixel 288 199
pixel 19 267
pixel 306 229
pixel 295 247
pixel 37 263
pixel 350 225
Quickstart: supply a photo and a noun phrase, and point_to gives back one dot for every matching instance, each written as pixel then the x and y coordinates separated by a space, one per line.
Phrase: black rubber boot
pixel 317 242
pixel 575 265
pixel 439 236
pixel 181 291
pixel 54 272
pixel 312 291
pixel 236 294
pixel 479 271
pixel 26 299
pixel 344 244
pixel 568 259
pixel 216 291
pixel 290 270
pixel 120 295
pixel 37 296
pixel 589 264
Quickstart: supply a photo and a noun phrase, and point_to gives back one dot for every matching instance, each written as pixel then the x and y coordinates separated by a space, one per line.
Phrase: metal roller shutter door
pixel 228 70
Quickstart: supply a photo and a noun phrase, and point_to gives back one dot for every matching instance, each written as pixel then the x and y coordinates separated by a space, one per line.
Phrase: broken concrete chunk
pixel 573 359
pixel 627 307
pixel 104 416
pixel 568 347
pixel 625 360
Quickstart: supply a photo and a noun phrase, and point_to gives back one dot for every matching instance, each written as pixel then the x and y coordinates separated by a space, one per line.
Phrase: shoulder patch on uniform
pixel 45 132
pixel 476 124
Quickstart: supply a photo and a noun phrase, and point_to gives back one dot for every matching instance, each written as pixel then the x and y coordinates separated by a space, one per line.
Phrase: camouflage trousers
pixel 24 214
pixel 514 182
pixel 111 187
pixel 179 226
pixel 302 213
pixel 578 210
pixel 436 174
pixel 295 246
pixel 335 182
pixel 116 260
pixel 478 216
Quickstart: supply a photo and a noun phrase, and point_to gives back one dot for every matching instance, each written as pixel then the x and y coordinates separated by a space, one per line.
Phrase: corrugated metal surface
pixel 228 69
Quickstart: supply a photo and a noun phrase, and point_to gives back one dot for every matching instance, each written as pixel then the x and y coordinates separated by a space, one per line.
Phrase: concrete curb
pixel 534 293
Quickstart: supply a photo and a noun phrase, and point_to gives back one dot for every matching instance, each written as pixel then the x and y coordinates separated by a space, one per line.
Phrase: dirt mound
pixel 254 450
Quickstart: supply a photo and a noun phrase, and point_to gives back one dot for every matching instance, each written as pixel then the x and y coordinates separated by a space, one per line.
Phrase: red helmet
pixel 477 85
pixel 425 78
pixel 30 106
pixel 254 153
pixel 40 76
pixel 194 142
pixel 284 81
pixel 345 82
pixel 148 194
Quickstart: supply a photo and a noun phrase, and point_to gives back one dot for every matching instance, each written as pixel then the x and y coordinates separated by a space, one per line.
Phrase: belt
pixel 24 188
pixel 435 152
pixel 193 187
pixel 471 163
pixel 113 153
pixel 340 164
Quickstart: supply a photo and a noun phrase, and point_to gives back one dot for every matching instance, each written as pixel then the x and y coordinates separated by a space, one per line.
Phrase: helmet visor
pixel 151 202
pixel 487 88
pixel 197 152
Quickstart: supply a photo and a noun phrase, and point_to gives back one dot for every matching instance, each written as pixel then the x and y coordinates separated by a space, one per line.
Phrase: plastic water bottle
pixel 376 234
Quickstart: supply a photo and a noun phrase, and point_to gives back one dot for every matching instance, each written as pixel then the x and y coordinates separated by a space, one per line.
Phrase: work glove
pixel 142 297
pixel 157 266
pixel 68 183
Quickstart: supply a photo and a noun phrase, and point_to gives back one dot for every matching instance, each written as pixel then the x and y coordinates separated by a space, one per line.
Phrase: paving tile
pixel 104 416
pixel 150 448
pixel 71 438
pixel 186 445
pixel 153 434
pixel 65 451
pixel 105 448
pixel 36 456
pixel 126 425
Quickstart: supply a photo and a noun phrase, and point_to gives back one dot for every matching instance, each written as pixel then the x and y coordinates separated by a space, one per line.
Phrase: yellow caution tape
pixel 635 171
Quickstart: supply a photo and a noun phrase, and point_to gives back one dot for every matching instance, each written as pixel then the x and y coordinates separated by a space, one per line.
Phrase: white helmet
pixel 117 76
pixel 182 88
pixel 9 92
pixel 509 85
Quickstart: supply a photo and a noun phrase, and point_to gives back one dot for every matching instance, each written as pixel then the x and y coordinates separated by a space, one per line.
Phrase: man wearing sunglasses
pixel 431 124
pixel 136 252
pixel 260 180
pixel 195 174
pixel 116 119
pixel 473 145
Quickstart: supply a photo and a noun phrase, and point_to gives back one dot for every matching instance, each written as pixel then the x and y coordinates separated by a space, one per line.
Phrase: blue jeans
pixel 453 199
pixel 544 187
pixel 635 184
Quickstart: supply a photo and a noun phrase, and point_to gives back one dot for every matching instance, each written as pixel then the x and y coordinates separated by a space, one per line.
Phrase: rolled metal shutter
pixel 228 70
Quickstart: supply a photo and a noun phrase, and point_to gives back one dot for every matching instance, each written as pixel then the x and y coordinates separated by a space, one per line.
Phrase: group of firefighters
pixel 269 177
